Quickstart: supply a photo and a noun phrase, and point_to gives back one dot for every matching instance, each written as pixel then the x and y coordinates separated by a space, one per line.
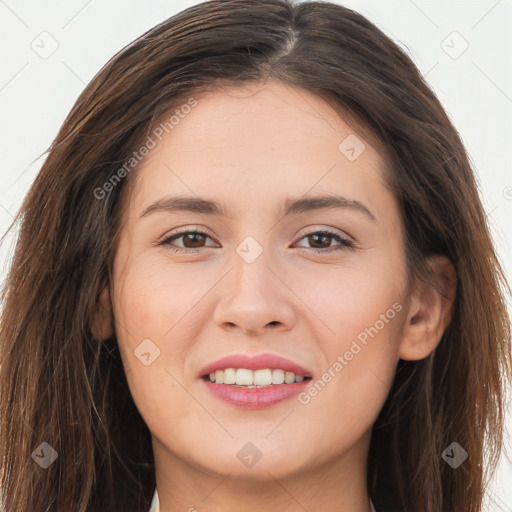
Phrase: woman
pixel 254 272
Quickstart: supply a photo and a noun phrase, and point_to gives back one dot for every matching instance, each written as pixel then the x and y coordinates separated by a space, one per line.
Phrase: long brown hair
pixel 58 385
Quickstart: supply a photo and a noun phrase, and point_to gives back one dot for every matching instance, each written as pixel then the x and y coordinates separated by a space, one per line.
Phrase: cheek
pixel 156 309
pixel 153 297
pixel 351 389
pixel 149 313
pixel 361 303
pixel 353 296
pixel 143 307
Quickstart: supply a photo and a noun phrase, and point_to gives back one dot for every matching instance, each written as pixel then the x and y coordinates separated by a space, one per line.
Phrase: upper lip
pixel 258 362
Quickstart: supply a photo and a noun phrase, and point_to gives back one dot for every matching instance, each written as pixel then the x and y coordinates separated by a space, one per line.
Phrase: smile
pixel 245 377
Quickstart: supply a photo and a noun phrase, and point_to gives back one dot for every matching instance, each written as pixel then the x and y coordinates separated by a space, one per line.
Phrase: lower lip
pixel 255 398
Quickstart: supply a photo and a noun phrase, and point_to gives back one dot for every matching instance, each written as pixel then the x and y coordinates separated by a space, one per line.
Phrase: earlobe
pixel 102 326
pixel 430 310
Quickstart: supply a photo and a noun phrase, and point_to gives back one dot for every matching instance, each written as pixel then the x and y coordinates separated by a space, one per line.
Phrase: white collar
pixel 155 504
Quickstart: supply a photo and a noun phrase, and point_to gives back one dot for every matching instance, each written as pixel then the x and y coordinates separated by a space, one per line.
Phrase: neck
pixel 338 485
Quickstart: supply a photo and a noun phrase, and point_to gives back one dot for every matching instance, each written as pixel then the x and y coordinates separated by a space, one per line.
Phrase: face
pixel 262 271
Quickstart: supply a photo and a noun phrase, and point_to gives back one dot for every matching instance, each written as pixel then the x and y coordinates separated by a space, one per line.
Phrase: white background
pixel 475 88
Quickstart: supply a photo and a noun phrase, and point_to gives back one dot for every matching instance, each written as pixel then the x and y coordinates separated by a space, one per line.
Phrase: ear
pixel 430 310
pixel 102 326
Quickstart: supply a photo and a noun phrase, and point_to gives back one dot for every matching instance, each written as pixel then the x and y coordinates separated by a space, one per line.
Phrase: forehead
pixel 254 144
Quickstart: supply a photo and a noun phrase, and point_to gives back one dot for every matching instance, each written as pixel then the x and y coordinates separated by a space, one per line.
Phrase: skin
pixel 250 148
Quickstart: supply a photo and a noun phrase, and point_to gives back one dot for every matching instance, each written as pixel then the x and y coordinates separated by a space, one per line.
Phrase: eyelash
pixel 344 242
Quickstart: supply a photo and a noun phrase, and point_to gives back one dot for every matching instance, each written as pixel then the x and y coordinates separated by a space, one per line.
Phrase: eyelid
pixel 344 242
pixel 183 231
pixel 311 230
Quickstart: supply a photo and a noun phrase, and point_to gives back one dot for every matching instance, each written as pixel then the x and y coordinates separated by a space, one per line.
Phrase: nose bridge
pixel 253 297
pixel 252 275
pixel 253 282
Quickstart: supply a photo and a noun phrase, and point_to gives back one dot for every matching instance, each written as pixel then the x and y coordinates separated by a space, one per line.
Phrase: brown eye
pixel 191 240
pixel 320 241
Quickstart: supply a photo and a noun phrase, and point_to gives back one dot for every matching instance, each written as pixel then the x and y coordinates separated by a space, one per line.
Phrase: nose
pixel 255 299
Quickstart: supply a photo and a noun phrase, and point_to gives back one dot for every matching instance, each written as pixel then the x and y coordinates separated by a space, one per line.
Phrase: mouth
pixel 254 382
pixel 259 370
pixel 247 378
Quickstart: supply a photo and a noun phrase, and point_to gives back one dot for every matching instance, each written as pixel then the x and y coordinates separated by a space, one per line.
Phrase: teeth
pixel 243 377
pixel 229 376
pixel 254 379
pixel 289 377
pixel 277 377
pixel 262 377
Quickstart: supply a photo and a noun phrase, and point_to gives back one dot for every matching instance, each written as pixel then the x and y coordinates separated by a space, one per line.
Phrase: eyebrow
pixel 290 207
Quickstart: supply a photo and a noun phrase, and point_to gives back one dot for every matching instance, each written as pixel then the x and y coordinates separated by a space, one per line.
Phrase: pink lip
pixel 258 362
pixel 254 398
